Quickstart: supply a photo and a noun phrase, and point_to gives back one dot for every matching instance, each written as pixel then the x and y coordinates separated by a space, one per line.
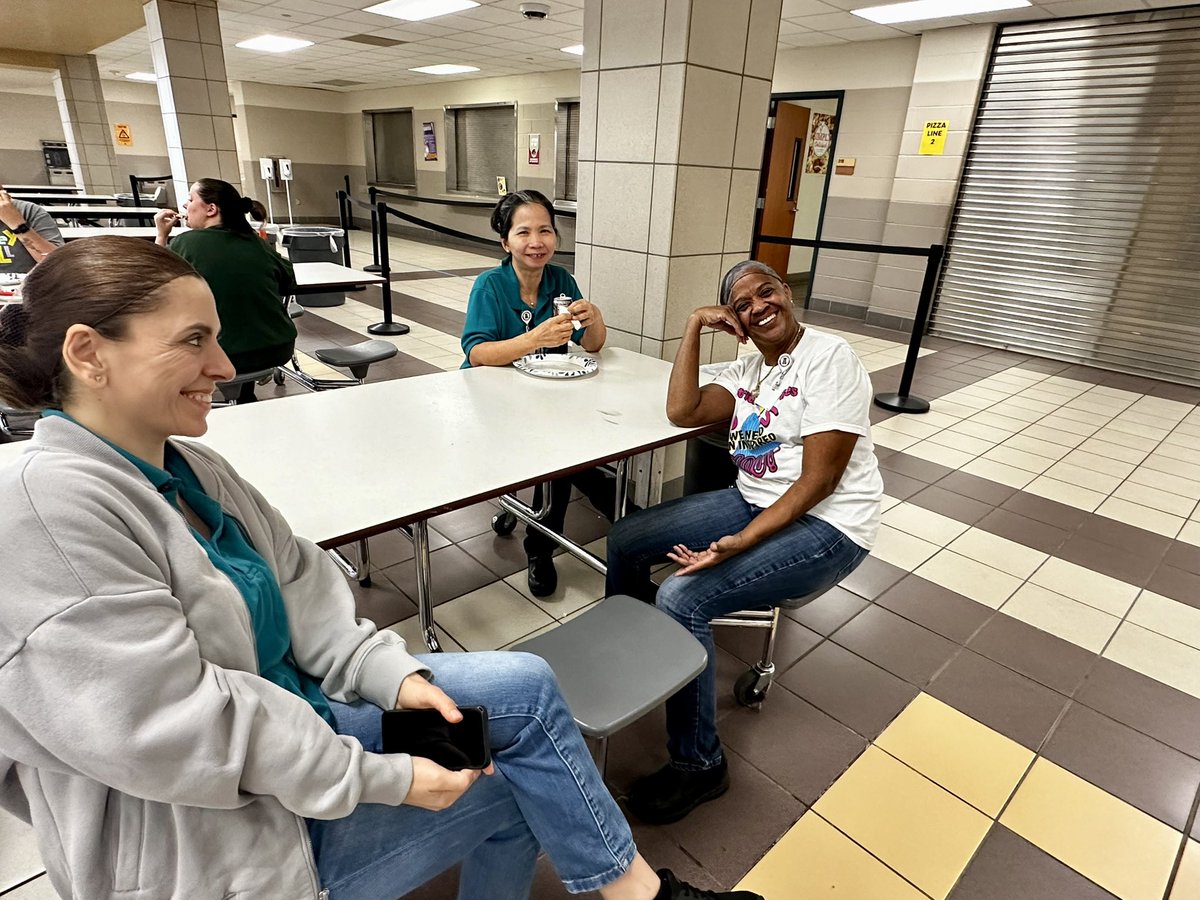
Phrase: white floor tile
pixel 1106 465
pixel 19 859
pixel 1141 516
pixel 1087 478
pixel 999 553
pixel 1085 585
pixel 490 617
pixel 1156 498
pixel 994 471
pixel 410 630
pixel 1158 657
pixel 38 889
pixel 1070 494
pixel 923 523
pixel 940 454
pixel 1082 625
pixel 1019 459
pixel 1167 617
pixel 900 549
pixel 579 585
pixel 968 577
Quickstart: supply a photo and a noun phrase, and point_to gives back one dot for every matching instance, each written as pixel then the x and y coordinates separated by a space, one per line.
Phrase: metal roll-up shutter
pixel 484 146
pixel 1076 233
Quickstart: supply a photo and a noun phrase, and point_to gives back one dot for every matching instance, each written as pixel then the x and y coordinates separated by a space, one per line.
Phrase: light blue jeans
pixel 546 793
pixel 805 557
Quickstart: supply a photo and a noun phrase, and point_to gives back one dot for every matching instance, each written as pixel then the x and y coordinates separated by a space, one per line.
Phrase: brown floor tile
pixel 502 555
pixel 872 577
pixel 1125 565
pixel 1008 867
pixel 584 524
pixel 1045 510
pixel 829 612
pixel 1012 704
pixel 392 547
pixel 1045 366
pixel 661 850
pixel 1047 659
pixel 857 693
pixel 728 835
pixel 383 603
pixel 1029 532
pixel 1108 531
pixel 1136 383
pixel 915 467
pixel 948 613
pixel 1084 373
pixel 990 492
pixel 1178 584
pixel 464 523
pixel 793 743
pixel 792 641
pixel 1141 771
pixel 904 649
pixel 1146 705
pixel 1181 392
pixel 1183 555
pixel 900 486
pixel 453 573
pixel 957 506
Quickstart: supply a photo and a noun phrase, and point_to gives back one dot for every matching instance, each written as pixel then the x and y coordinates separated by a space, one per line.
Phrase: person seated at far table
pixel 188 706
pixel 510 314
pixel 803 515
pixel 247 277
pixel 29 235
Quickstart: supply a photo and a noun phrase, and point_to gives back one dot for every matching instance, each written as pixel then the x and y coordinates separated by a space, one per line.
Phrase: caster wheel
pixel 365 582
pixel 750 689
pixel 503 523
pixel 278 378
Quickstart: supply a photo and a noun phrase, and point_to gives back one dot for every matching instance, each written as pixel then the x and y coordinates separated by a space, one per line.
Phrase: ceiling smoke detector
pixel 535 11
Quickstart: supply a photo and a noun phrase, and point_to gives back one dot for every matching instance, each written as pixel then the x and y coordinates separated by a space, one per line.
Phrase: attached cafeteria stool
pixel 616 662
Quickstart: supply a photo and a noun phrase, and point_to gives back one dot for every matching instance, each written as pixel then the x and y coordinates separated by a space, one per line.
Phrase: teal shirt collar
pixel 509 276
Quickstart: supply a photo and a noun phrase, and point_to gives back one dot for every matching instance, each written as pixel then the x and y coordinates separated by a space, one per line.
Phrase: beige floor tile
pixel 940 454
pixel 1037 446
pixel 490 617
pixel 999 553
pixel 1142 418
pixel 410 630
pixel 910 426
pixel 1044 396
pixel 1072 383
pixel 19 858
pixel 983 393
pixel 917 828
pixel 972 446
pixel 950 408
pixel 38 889
pixel 1083 477
pixel 1116 396
pixel 923 523
pixel 939 419
pixel 1087 416
pixel 1019 459
pixel 1066 423
pixel 989 433
pixel 1158 657
pixel 1156 498
pixel 1028 409
pixel 901 549
pixel 1187 879
pixel 1167 617
pixel 1174 450
pixel 814 860
pixel 579 585
pixel 1109 444
pixel 1121 848
pixel 1082 625
pixel 1085 585
pixel 970 401
pixel 1165 481
pixel 1141 516
pixel 1097 407
pixel 1132 434
pixel 994 471
pixel 883 436
pixel 886 503
pixel 1070 494
pixel 1163 463
pixel 1041 431
pixel 1107 465
pixel 970 578
pixel 968 759
pixel 1190 533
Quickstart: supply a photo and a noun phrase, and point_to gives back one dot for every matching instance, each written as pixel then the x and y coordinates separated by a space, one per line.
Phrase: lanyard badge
pixel 526 317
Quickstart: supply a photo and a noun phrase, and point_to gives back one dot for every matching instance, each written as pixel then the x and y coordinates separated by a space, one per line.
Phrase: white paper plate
pixel 11 278
pixel 558 365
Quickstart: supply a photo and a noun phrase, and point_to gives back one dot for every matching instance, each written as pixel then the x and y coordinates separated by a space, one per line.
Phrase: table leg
pixel 619 497
pixel 420 538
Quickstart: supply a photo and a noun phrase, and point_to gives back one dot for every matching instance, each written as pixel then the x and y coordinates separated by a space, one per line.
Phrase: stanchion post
pixel 137 195
pixel 343 221
pixel 901 401
pixel 387 326
pixel 376 225
pixel 349 226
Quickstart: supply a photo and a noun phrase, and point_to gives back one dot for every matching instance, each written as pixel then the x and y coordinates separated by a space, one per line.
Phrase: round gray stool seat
pixel 357 357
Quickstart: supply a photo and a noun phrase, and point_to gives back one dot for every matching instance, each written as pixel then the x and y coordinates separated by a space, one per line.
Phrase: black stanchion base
pixel 897 403
pixel 374 267
pixel 387 328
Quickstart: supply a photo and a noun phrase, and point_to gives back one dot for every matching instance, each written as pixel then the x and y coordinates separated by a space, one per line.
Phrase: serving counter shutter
pixel 1076 233
pixel 483 145
pixel 566 174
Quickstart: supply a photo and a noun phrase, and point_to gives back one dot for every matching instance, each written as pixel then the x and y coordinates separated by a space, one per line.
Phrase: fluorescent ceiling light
pixel 919 10
pixel 416 10
pixel 272 43
pixel 574 49
pixel 444 69
pixel 142 76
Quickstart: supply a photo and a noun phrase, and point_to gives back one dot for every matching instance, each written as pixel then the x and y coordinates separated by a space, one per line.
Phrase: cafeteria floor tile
pixel 1001 702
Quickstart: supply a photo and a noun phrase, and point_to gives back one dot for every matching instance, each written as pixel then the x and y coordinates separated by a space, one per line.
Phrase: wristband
pixel 23 228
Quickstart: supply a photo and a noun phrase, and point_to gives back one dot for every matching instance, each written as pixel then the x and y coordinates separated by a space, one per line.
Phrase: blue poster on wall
pixel 430 141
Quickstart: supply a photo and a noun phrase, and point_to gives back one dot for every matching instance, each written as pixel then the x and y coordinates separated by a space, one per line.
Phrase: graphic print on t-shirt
pixel 8 241
pixel 752 445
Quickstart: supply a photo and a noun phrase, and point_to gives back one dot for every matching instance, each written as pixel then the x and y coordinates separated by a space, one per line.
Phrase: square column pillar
pixel 193 91
pixel 674 102
pixel 85 124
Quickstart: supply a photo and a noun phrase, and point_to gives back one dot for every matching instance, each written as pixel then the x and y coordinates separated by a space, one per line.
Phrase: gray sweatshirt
pixel 135 734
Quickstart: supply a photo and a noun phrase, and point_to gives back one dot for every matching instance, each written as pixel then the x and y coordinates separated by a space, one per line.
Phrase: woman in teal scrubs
pixel 510 315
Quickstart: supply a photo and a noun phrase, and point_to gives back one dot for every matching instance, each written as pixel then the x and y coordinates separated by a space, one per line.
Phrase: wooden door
pixel 783 183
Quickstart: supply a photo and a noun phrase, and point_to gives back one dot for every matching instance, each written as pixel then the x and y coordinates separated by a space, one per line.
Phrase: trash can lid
pixel 311 231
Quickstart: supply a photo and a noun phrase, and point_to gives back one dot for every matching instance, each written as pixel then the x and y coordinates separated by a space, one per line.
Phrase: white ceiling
pixel 495 37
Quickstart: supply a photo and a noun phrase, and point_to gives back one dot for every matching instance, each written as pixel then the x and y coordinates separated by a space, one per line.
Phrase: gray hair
pixel 739 270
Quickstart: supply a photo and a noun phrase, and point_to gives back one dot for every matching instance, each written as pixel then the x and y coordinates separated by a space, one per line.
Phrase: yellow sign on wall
pixel 124 135
pixel 933 140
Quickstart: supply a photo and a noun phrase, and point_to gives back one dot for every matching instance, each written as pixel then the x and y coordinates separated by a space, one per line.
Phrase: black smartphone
pixel 452 745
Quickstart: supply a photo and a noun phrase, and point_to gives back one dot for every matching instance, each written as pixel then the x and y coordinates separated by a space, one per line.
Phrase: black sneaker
pixel 674 889
pixel 543 577
pixel 671 793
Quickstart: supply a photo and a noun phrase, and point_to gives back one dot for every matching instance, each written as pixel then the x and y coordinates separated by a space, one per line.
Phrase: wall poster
pixel 819 143
pixel 430 141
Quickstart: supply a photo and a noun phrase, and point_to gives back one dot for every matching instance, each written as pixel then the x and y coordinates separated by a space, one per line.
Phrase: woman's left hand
pixel 417 693
pixel 585 313
pixel 717 552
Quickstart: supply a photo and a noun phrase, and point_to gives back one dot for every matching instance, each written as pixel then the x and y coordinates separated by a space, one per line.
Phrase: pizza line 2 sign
pixel 933 138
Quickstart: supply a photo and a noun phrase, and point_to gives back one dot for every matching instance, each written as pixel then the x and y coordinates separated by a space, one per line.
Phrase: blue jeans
pixel 805 557
pixel 546 793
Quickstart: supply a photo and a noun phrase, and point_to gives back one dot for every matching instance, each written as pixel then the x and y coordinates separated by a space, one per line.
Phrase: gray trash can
pixel 315 243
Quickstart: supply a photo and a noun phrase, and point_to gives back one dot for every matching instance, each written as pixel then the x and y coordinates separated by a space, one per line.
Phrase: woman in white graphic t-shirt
pixel 803 514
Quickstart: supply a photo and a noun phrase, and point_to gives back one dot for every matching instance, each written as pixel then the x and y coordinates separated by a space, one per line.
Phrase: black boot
pixel 674 889
pixel 671 793
pixel 543 577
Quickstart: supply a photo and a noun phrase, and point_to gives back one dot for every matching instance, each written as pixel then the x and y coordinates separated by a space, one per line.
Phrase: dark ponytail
pixel 232 205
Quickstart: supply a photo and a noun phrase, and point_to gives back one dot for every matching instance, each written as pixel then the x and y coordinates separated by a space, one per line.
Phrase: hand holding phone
pixel 425 733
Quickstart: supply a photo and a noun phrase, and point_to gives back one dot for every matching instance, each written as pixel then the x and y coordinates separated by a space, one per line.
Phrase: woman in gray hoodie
pixel 188 707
